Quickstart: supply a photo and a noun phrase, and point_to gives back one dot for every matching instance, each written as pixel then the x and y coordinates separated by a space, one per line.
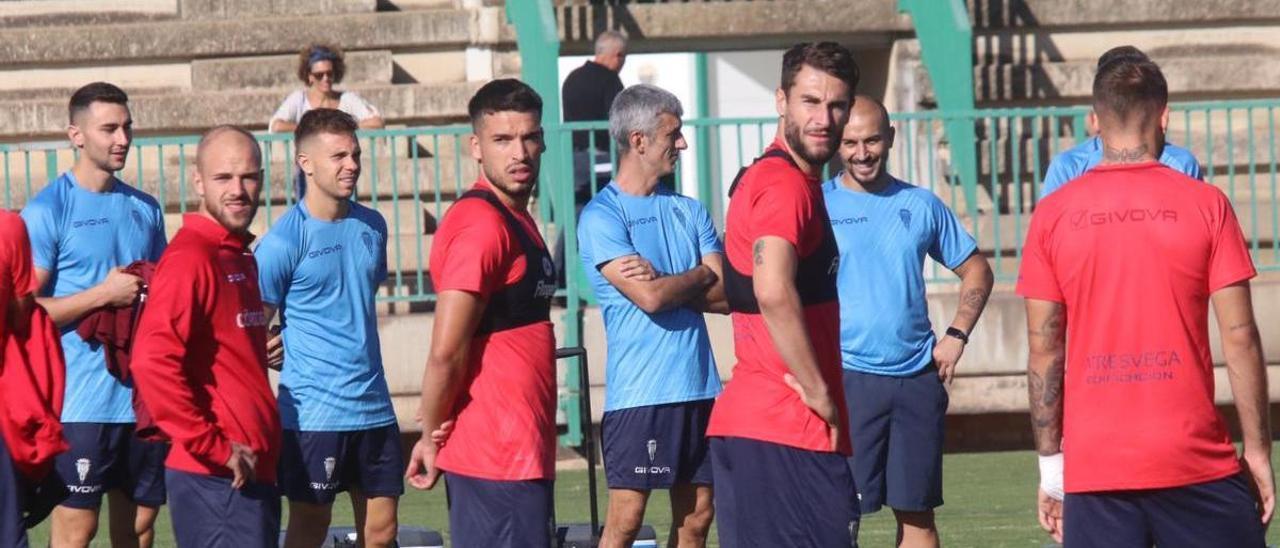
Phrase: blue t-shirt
pixel 78 236
pixel 321 277
pixel 653 358
pixel 883 238
pixel 1073 162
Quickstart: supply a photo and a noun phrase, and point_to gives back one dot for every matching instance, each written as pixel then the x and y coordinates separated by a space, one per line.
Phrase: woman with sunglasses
pixel 321 67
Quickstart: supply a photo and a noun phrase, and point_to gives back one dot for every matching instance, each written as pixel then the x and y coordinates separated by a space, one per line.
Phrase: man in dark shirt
pixel 587 94
pixel 589 90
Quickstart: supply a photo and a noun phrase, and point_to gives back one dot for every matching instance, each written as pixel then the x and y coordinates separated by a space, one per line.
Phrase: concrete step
pixel 737 25
pixel 1215 75
pixel 196 39
pixel 244 9
pixel 192 112
pixel 280 71
pixel 987 15
pixel 55 13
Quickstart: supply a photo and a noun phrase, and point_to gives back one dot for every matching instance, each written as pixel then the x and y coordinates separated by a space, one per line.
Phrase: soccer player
pixel 779 431
pixel 320 266
pixel 16 289
pixel 1073 162
pixel 653 258
pixel 200 359
pixel 1118 272
pixel 491 368
pixel 894 367
pixel 84 227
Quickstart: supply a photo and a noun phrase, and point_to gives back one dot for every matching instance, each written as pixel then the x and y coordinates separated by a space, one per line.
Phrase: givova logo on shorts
pixel 652 447
pixel 83 466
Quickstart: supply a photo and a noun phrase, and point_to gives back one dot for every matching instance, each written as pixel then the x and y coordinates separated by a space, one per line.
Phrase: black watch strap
pixel 953 332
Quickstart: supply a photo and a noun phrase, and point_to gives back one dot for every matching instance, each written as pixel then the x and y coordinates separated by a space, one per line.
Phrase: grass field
pixel 989 498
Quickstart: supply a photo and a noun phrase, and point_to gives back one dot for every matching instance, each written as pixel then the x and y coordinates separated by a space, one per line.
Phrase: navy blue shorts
pixel 105 457
pixel 207 512
pixel 316 466
pixel 768 494
pixel 13 532
pixel 897 426
pixel 1219 513
pixel 500 514
pixel 657 446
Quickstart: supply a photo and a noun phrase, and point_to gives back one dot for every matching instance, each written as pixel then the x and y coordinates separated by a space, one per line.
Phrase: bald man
pixel 896 372
pixel 200 359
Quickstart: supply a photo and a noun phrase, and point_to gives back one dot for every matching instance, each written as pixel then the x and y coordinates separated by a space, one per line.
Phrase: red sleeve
pixel 783 206
pixel 1230 261
pixel 15 256
pixel 175 304
pixel 470 249
pixel 1036 276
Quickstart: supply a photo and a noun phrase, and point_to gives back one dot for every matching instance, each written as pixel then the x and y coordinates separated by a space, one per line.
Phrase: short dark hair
pixel 1122 53
pixel 828 57
pixel 503 95
pixel 324 120
pixel 321 52
pixel 1128 89
pixel 97 92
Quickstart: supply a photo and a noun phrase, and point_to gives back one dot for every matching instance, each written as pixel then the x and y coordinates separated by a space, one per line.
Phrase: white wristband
pixel 1051 475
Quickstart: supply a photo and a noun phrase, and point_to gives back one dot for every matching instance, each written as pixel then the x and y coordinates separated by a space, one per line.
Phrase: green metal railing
pixel 412 175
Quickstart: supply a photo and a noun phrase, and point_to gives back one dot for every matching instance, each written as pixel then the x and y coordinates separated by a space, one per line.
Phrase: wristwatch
pixel 953 332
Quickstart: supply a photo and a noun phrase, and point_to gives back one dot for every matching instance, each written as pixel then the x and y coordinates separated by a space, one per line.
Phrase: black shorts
pixel 500 514
pixel 105 457
pixel 316 466
pixel 657 446
pixel 208 513
pixel 769 495
pixel 897 426
pixel 1214 514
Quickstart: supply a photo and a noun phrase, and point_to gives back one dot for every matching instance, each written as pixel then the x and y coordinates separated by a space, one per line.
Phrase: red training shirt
pixel 200 356
pixel 1134 251
pixel 505 419
pixel 775 198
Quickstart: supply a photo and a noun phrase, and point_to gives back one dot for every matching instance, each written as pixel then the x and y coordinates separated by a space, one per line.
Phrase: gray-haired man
pixel 654 261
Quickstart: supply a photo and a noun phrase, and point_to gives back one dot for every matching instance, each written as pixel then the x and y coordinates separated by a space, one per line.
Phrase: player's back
pixel 1134 252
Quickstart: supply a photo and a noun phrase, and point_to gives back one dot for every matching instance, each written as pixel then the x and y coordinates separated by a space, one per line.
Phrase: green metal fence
pixel 412 175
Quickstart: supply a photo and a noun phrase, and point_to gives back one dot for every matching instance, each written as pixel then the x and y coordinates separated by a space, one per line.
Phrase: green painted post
pixel 946 44
pixel 706 191
pixel 51 166
pixel 538 39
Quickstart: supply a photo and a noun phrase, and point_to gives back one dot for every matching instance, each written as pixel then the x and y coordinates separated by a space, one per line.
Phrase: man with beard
pixel 84 228
pixel 200 359
pixel 655 262
pixel 894 368
pixel 779 430
pixel 491 367
pixel 320 266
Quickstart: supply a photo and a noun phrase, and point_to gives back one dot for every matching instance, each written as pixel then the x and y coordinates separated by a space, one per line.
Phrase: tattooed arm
pixel 1247 373
pixel 1046 360
pixel 975 286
